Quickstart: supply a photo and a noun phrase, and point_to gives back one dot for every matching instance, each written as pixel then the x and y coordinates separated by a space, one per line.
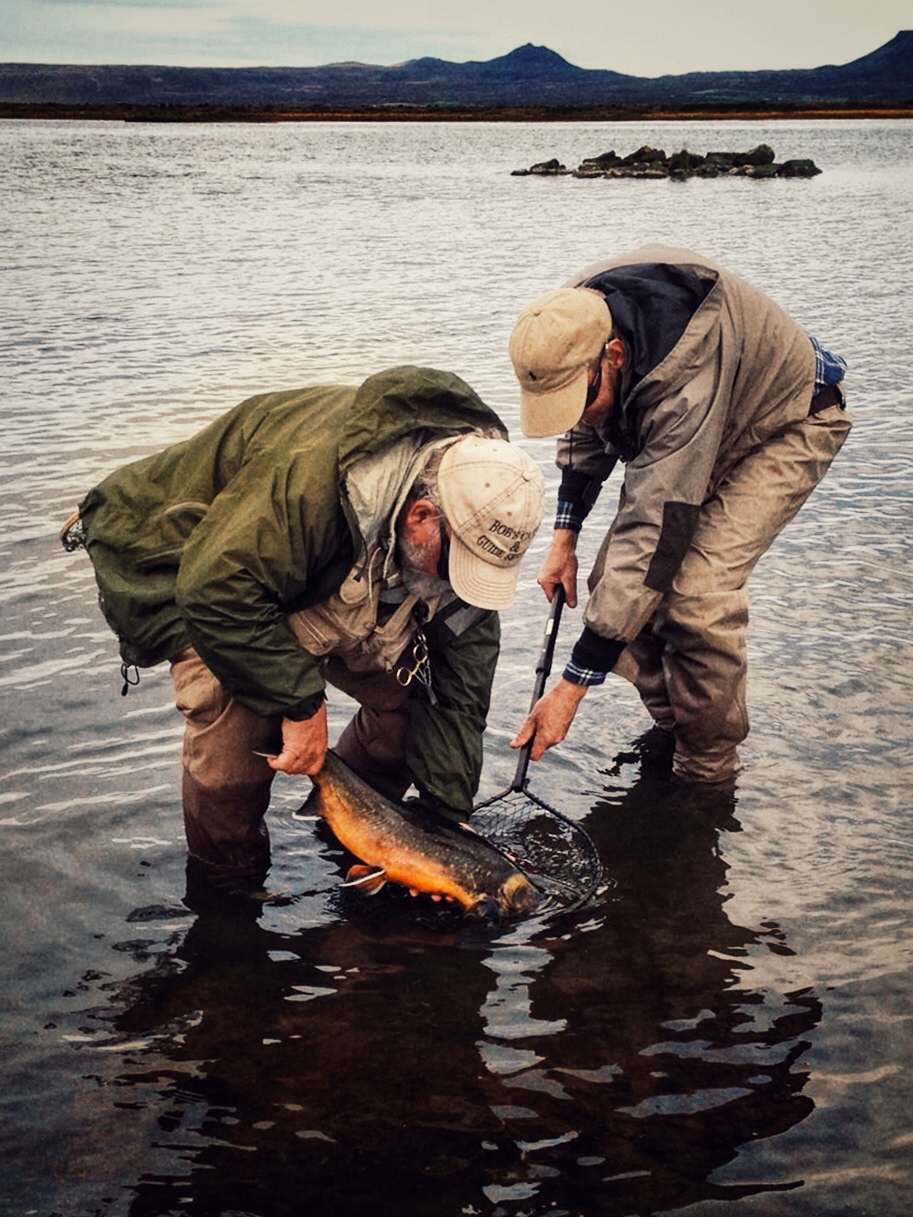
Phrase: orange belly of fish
pixel 400 865
pixel 416 873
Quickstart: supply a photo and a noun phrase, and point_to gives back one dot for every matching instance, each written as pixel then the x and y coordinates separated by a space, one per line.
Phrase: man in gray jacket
pixel 726 415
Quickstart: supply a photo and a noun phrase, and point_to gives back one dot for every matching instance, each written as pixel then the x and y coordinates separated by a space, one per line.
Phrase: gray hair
pixel 425 484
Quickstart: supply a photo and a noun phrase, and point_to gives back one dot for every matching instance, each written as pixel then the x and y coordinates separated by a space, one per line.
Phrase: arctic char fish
pixel 418 850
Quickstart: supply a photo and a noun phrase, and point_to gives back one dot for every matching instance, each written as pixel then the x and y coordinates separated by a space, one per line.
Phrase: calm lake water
pixel 729 1026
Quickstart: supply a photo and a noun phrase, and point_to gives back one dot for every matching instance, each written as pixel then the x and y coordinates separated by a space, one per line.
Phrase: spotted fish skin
pixel 418 850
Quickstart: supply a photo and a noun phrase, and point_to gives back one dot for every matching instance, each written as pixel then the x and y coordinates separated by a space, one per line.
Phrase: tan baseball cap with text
pixel 492 495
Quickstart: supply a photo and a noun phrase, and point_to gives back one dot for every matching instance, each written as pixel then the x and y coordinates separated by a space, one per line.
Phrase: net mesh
pixel 555 852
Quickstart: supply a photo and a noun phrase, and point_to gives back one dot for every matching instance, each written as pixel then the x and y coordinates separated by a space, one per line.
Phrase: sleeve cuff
pixel 569 515
pixel 593 656
pixel 305 709
pixel 583 676
pixel 577 494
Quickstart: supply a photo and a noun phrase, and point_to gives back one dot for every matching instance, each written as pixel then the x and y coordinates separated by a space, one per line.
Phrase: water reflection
pixel 652 1055
pixel 609 1062
pixel 332 1071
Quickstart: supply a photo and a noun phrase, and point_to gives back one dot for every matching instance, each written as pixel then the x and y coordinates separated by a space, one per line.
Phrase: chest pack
pixel 360 622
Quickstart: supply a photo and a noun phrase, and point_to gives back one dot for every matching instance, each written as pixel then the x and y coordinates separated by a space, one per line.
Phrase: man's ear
pixel 615 349
pixel 418 512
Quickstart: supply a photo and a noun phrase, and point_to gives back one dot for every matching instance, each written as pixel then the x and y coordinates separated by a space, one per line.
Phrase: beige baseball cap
pixel 492 495
pixel 554 341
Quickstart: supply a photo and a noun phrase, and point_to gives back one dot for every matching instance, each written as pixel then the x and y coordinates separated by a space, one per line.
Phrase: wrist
pixel 570 692
pixel 564 539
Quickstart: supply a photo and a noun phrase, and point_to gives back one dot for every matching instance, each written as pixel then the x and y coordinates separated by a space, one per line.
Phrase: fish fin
pixel 311 807
pixel 369 878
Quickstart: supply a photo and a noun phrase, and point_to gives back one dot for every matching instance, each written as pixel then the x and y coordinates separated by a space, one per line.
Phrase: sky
pixel 639 37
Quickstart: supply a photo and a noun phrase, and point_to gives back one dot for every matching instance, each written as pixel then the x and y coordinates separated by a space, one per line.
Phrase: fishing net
pixel 553 850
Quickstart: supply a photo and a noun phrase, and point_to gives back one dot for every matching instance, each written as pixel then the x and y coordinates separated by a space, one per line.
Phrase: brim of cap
pixel 480 583
pixel 554 413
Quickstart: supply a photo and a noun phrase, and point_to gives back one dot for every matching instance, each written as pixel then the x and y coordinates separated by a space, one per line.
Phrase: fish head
pixel 516 896
pixel 486 909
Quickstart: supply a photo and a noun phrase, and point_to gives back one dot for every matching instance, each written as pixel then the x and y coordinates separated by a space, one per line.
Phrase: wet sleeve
pixel 444 746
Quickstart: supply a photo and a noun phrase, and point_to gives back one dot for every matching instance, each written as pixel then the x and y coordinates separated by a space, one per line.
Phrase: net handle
pixel 543 668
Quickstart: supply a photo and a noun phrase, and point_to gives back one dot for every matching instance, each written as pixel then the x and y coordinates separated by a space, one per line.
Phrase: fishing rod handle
pixel 547 654
pixel 543 668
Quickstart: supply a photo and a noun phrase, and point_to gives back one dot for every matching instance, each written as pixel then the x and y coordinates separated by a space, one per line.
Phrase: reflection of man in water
pixel 682 1029
pixel 726 415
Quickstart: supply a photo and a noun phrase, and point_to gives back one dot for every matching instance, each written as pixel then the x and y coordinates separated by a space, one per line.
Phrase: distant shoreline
pixel 727 112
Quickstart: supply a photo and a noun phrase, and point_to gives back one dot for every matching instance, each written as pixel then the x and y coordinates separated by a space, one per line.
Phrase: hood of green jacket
pixel 406 399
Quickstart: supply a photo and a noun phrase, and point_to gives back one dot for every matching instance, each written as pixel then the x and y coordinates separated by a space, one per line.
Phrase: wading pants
pixel 226 789
pixel 689 662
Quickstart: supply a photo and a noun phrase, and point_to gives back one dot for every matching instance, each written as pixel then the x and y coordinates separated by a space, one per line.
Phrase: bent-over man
pixel 726 415
pixel 363 537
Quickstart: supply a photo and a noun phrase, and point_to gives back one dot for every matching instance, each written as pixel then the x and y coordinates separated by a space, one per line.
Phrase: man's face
pixel 420 539
pixel 603 384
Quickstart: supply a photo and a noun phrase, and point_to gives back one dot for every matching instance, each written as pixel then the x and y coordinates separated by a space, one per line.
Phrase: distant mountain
pixel 885 74
pixel 528 76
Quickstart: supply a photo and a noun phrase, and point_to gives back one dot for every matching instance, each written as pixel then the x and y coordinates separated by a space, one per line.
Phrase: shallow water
pixel 730 1021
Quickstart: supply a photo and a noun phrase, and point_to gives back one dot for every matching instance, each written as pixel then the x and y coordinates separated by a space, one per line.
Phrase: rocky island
pixel 646 162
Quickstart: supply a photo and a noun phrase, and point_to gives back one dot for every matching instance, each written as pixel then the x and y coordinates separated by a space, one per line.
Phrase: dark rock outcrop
pixel 652 163
pixel 545 168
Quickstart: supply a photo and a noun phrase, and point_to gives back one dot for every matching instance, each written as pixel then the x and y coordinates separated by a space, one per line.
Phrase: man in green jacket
pixel 359 536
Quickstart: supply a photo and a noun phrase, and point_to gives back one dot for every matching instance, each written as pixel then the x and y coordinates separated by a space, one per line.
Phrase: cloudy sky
pixel 639 37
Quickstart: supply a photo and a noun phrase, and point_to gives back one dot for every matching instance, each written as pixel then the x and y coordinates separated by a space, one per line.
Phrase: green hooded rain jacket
pixel 211 542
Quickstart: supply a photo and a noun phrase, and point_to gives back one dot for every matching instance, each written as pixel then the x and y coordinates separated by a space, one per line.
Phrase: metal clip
pixel 405 675
pixel 421 669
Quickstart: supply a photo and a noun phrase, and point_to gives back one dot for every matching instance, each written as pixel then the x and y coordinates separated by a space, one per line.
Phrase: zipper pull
pixel 128 682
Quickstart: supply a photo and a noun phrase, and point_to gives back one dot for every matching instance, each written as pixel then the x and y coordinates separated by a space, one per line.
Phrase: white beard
pixel 413 560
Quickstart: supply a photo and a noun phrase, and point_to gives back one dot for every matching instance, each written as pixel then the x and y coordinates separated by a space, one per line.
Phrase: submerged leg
pixel 701 623
pixel 226 789
pixel 705 616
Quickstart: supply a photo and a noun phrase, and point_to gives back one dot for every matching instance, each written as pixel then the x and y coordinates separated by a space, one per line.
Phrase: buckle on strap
pixel 72 535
